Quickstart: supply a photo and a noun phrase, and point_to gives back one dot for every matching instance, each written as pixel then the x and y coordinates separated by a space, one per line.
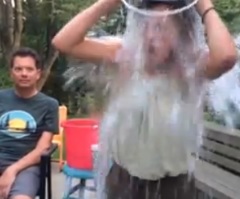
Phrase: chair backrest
pixel 62 117
pixel 221 147
pixel 62 111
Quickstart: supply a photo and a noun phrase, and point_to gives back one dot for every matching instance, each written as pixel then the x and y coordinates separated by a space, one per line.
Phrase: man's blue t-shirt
pixel 22 122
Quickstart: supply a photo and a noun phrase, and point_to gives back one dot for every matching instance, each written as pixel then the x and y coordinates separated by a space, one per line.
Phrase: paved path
pixel 58 184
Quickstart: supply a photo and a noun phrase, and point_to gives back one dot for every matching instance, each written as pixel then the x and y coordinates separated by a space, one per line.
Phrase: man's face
pixel 24 72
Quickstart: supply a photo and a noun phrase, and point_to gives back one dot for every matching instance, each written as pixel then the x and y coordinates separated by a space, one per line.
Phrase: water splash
pixel 133 6
pixel 156 84
pixel 129 108
pixel 224 96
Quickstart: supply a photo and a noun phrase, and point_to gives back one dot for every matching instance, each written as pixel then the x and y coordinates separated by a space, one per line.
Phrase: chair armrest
pixel 50 151
pixel 46 158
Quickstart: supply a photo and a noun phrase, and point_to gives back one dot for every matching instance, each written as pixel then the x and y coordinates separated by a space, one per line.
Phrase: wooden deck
pixel 58 182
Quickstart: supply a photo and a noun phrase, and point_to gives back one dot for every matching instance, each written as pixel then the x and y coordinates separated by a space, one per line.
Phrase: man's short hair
pixel 26 52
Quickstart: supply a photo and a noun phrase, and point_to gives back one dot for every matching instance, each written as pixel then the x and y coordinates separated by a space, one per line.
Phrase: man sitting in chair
pixel 28 121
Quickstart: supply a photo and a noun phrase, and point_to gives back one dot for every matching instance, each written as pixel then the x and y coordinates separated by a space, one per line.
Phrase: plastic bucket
pixel 80 135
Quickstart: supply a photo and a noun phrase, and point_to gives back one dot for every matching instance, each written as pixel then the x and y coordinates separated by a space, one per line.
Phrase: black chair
pixel 45 174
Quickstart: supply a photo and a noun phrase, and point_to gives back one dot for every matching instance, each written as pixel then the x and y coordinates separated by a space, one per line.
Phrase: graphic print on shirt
pixel 17 124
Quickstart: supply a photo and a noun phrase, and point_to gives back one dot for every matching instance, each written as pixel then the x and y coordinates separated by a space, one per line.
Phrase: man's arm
pixel 72 40
pixel 50 128
pixel 34 156
pixel 222 51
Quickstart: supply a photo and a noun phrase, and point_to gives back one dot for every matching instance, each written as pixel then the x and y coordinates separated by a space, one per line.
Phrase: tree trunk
pixel 47 69
pixel 11 21
pixel 18 23
pixel 51 53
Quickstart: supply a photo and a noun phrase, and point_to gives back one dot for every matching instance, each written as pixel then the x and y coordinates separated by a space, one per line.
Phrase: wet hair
pixel 184 23
pixel 184 19
pixel 149 4
pixel 26 52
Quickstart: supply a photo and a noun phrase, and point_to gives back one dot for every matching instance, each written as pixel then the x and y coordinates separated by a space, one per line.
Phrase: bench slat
pixel 210 188
pixel 223 149
pixel 222 134
pixel 220 148
pixel 220 160
pixel 216 182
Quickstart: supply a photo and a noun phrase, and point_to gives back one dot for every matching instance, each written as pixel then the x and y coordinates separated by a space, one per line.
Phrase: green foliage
pixel 229 10
pixel 116 23
pixel 5 81
pixel 43 18
pixel 66 9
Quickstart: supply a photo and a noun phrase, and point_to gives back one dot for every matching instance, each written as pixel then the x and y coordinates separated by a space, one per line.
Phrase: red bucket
pixel 80 134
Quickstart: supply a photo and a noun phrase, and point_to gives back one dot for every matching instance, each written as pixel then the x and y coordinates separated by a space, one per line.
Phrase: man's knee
pixel 21 197
pixel 26 184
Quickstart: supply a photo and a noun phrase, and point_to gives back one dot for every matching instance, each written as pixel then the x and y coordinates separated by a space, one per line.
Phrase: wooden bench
pixel 217 171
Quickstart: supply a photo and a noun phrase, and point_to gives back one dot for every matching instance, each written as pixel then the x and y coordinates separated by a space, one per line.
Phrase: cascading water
pixel 148 92
pixel 223 95
pixel 154 112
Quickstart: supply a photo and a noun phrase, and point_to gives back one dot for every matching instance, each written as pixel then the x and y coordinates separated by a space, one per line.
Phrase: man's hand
pixel 6 181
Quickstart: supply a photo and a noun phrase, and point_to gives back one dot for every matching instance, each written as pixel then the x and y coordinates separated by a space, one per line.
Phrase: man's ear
pixel 39 71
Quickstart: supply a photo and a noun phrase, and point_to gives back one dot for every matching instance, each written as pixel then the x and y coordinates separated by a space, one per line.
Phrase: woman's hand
pixel 222 55
pixel 117 2
pixel 203 5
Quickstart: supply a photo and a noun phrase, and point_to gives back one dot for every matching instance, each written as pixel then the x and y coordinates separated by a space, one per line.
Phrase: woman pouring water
pixel 154 109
